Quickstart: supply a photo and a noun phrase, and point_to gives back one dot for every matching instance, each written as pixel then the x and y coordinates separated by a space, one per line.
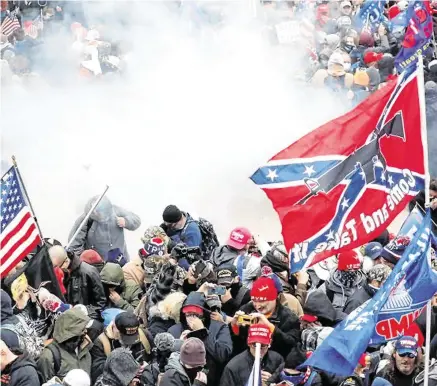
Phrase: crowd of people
pixel 188 309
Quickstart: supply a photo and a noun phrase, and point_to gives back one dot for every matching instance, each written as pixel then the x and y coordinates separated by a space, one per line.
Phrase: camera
pixel 181 251
pixel 245 320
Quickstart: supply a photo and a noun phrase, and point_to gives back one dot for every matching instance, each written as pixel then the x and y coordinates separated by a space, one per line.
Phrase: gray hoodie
pixel 104 233
pixel 120 369
pixel 175 374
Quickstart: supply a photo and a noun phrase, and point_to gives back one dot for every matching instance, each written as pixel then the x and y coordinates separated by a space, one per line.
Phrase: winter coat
pixel 318 304
pixel 175 374
pixel 103 236
pixel 129 291
pixel 85 287
pixel 134 271
pixel 119 370
pixel 190 234
pixel 284 337
pixel 223 255
pixel 337 293
pixel 237 371
pixel 165 314
pixel 21 372
pixel 70 324
pixel 218 343
pixel 359 297
pixel 432 379
pixel 99 357
pixel 391 374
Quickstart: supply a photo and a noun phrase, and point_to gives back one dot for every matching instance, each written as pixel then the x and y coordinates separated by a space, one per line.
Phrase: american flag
pixel 31 28
pixel 10 24
pixel 19 233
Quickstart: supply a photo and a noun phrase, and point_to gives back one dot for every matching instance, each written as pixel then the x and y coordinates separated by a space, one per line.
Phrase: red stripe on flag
pixel 24 238
pixel 21 256
pixel 15 230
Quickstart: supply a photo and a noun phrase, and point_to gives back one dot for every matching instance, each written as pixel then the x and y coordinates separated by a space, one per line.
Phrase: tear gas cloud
pixel 194 116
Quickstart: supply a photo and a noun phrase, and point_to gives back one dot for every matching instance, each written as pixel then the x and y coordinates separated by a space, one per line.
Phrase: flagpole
pixel 256 369
pixel 23 187
pixel 423 130
pixel 84 221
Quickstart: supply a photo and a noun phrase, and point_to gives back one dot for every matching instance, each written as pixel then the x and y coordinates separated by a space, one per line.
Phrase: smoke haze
pixel 195 115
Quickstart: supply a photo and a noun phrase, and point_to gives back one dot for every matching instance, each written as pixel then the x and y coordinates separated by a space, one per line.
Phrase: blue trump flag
pixel 370 15
pixel 411 284
pixel 418 37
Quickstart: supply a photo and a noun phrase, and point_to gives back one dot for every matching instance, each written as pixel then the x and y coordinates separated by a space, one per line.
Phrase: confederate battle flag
pixel 341 185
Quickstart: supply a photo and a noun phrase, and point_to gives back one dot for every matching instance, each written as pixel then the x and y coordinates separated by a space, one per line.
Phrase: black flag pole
pixel 23 187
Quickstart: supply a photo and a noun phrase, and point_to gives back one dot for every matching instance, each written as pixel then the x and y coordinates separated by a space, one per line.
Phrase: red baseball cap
pixel 370 57
pixel 239 238
pixel 348 261
pixel 259 333
pixel 192 310
pixel 309 318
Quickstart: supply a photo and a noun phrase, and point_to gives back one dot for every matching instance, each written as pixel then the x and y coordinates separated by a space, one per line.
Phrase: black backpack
pixel 56 353
pixel 209 237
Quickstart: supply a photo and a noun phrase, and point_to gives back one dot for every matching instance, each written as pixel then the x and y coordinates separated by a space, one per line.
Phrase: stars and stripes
pixel 18 231
pixel 32 28
pixel 9 24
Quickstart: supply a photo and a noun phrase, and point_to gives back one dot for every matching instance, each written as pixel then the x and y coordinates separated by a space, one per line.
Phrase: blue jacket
pixel 189 235
pixel 218 343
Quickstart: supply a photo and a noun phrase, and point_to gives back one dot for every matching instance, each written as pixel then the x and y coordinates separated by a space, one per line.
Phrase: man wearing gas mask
pixel 104 230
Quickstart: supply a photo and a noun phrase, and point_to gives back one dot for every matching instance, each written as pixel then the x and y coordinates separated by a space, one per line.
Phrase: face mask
pixel 347 67
pixel 72 344
pixel 347 278
pixel 192 373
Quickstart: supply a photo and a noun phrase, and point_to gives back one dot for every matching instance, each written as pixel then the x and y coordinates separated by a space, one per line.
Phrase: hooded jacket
pixel 70 324
pixel 104 234
pixel 218 343
pixel 85 287
pixel 21 372
pixel 120 369
pixel 98 352
pixel 237 371
pixel 359 297
pixel 129 291
pixel 318 304
pixel 166 313
pixel 337 293
pixel 284 337
pixel 223 255
pixel 134 271
pixel 175 374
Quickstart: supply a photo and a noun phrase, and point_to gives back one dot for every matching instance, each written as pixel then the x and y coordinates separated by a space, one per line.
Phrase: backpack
pixel 27 337
pixel 209 237
pixel 103 338
pixel 57 358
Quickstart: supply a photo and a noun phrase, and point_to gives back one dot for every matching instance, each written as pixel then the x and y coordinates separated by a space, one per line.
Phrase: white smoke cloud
pixel 195 115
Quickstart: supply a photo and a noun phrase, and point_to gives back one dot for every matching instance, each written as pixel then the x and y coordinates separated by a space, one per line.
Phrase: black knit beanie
pixel 171 214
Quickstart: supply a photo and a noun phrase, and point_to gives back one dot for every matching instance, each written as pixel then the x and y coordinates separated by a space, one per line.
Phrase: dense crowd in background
pixel 189 308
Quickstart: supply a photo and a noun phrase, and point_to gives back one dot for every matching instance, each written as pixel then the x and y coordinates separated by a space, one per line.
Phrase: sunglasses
pixel 407 354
